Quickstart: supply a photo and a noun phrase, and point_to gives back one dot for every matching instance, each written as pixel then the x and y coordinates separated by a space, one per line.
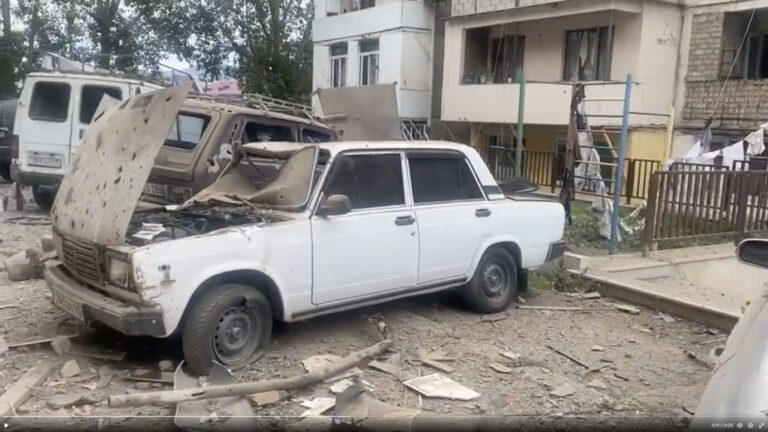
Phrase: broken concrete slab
pixel 268 398
pixel 24 265
pixel 339 386
pixel 500 368
pixel 564 390
pixel 391 365
pixel 317 406
pixel 440 386
pixel 598 384
pixel 18 393
pixel 442 367
pixel 70 369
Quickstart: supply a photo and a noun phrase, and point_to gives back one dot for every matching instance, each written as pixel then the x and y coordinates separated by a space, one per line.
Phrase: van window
pixel 314 136
pixel 259 132
pixel 90 99
pixel 187 130
pixel 50 101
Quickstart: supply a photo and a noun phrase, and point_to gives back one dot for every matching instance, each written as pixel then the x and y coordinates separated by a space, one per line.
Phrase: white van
pixel 54 111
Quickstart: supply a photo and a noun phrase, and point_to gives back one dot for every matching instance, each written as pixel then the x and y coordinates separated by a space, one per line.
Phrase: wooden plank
pixel 37 341
pixel 19 392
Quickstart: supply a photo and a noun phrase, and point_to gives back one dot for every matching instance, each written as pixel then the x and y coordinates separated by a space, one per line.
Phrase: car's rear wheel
pixel 230 324
pixel 43 198
pixel 494 283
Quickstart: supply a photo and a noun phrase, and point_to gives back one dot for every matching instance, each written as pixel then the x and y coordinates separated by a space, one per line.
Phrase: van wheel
pixel 44 200
pixel 494 284
pixel 5 171
pixel 229 323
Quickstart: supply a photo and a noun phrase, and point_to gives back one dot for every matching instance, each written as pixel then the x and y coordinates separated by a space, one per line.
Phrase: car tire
pixel 5 171
pixel 494 283
pixel 43 199
pixel 230 324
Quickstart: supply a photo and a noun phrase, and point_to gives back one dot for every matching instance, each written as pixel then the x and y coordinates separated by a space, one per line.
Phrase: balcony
pixel 402 14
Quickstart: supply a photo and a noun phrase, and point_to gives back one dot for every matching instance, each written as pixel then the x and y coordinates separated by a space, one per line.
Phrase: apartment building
pixel 554 43
pixel 373 60
pixel 722 71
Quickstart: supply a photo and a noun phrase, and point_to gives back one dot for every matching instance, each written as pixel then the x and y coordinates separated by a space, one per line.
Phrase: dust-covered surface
pixel 645 376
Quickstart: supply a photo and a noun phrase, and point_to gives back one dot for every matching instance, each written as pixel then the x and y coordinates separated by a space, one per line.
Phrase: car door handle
pixel 405 220
pixel 482 213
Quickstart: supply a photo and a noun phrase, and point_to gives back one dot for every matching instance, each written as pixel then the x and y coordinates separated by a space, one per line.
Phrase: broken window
pixel 370 181
pixel 492 55
pixel 50 101
pixel 339 65
pixel 186 131
pixel 369 61
pixel 314 136
pixel 442 178
pixel 587 55
pixel 90 98
pixel 259 132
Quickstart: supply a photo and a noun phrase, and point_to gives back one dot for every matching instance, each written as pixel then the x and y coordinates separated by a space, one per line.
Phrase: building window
pixel 492 55
pixel 339 65
pixel 335 7
pixel 587 55
pixel 756 62
pixel 369 61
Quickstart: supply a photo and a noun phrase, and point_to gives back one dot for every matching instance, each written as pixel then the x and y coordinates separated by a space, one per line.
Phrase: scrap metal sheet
pixel 364 113
pixel 99 193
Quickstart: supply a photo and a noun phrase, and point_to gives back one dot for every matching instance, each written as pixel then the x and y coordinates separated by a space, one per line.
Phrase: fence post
pixel 650 214
pixel 630 188
pixel 742 202
pixel 620 167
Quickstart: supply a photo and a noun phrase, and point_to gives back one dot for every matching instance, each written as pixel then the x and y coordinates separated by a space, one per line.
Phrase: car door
pixel 451 211
pixel 45 125
pixel 374 248
pixel 85 104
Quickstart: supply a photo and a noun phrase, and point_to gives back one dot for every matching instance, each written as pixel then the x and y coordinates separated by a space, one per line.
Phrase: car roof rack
pixel 262 102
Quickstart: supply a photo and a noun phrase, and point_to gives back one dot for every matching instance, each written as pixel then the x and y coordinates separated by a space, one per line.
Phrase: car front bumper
pixel 89 305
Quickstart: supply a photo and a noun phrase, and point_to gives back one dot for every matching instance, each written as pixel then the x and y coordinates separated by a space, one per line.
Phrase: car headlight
pixel 119 271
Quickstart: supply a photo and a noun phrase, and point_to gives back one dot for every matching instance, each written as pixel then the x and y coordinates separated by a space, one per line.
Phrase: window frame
pixel 366 57
pixel 609 52
pixel 329 172
pixel 32 99
pixel 304 129
pixel 207 119
pixel 445 154
pixel 339 81
pixel 265 122
pixel 82 90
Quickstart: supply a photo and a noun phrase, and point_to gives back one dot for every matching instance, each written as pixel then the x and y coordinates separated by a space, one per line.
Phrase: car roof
pixel 94 76
pixel 335 147
pixel 191 102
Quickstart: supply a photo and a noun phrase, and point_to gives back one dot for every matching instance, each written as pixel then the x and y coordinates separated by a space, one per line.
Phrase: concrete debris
pixel 70 369
pixel 500 368
pixel 70 400
pixel 626 308
pixel 151 376
pixel 440 386
pixel 442 367
pixel 61 344
pixel 340 386
pixel 18 393
pixel 165 366
pixel 441 355
pixel 564 390
pixel 268 398
pixel 510 355
pixel 598 384
pixel 699 361
pixel 642 329
pixel 392 365
pixel 105 376
pixel 521 300
pixel 494 318
pixel 667 318
pixel 570 357
pixel 142 385
pixel 24 265
pixel 591 295
pixel 37 341
pixel 317 406
pixel 320 362
pixel 47 244
pixel 598 348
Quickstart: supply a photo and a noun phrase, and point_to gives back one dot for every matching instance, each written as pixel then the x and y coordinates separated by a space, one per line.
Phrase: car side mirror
pixel 335 205
pixel 754 251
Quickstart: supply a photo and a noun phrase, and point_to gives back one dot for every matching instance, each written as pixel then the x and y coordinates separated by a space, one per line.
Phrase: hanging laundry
pixel 732 153
pixel 756 141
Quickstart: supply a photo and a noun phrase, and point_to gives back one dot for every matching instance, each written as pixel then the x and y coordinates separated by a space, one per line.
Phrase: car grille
pixel 82 259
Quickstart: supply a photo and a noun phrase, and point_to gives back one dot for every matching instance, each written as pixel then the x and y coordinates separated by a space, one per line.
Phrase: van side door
pixel 87 98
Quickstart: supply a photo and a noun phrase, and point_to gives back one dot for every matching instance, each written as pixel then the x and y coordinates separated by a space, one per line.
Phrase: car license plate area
pixel 47 162
pixel 68 305
pixel 154 189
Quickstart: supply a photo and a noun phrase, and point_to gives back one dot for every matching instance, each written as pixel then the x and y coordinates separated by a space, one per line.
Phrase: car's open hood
pixel 99 193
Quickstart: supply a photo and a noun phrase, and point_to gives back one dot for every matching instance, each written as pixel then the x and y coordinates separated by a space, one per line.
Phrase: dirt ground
pixel 645 373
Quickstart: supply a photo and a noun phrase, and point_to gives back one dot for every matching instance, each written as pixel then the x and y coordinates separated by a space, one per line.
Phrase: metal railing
pixel 705 203
pixel 262 102
pixel 546 168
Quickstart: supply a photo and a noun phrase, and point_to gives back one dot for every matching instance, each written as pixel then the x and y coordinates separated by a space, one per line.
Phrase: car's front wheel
pixel 43 199
pixel 229 323
pixel 494 283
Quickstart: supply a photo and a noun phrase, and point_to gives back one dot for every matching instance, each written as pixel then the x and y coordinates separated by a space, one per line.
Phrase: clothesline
pixel 755 146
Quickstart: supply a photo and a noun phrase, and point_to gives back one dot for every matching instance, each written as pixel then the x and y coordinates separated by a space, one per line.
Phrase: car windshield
pixel 261 180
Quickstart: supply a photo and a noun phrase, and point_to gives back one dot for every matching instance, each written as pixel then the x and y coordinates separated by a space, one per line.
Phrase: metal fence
pixel 705 203
pixel 546 168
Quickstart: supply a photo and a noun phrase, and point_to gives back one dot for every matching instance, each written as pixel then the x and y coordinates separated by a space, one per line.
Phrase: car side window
pixel 314 136
pixel 442 178
pixel 262 132
pixel 370 181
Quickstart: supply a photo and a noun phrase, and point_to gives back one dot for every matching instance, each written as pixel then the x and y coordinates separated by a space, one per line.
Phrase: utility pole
pixel 520 126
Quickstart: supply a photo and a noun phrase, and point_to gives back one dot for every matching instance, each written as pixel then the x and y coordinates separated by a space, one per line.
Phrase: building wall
pixel 468 7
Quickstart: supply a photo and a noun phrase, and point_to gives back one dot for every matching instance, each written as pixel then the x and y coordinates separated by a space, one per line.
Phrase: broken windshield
pixel 289 189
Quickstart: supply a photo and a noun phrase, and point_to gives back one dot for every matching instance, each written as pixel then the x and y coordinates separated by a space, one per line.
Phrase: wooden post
pixel 630 179
pixel 650 215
